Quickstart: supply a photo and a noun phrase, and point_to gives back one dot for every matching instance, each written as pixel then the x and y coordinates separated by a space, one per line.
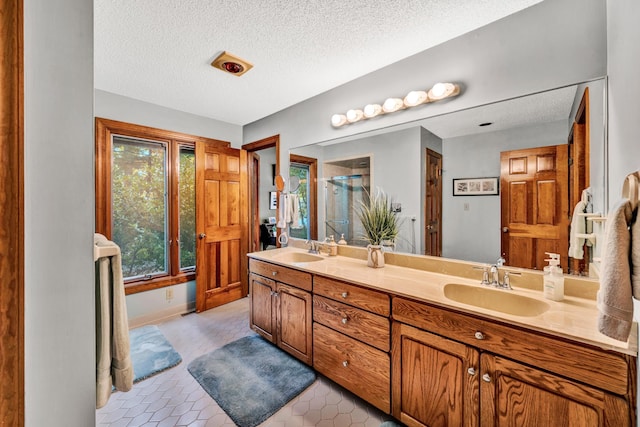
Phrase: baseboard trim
pixel 162 315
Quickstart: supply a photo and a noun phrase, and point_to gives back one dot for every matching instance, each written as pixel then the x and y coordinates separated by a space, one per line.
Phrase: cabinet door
pixel 435 380
pixel 294 322
pixel 518 395
pixel 262 310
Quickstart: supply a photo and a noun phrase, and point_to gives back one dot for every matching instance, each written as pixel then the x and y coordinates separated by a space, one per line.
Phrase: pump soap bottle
pixel 553 278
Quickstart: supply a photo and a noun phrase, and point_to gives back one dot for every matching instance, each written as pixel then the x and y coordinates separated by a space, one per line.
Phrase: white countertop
pixel 573 318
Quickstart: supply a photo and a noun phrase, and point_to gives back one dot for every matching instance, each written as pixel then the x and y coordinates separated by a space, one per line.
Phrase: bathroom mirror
pixel 469 143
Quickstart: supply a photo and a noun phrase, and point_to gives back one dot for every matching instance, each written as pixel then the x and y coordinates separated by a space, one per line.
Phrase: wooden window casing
pixel 174 141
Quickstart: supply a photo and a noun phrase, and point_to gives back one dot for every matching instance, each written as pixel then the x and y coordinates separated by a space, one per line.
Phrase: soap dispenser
pixel 553 278
pixel 342 241
pixel 333 246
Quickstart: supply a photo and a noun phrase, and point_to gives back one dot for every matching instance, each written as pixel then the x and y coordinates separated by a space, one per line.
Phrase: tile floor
pixel 174 398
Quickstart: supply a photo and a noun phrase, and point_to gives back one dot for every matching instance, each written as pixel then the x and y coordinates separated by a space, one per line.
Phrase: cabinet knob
pixel 471 371
pixel 344 320
pixel 345 294
pixel 486 378
pixel 274 273
pixel 345 363
pixel 479 335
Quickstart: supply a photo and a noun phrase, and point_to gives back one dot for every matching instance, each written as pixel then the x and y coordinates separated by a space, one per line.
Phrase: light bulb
pixel 415 97
pixel 372 110
pixel 354 115
pixel 338 120
pixel 392 104
pixel 438 89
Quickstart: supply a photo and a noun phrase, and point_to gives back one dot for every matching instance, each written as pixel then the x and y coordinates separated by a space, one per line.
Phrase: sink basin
pixel 297 257
pixel 503 301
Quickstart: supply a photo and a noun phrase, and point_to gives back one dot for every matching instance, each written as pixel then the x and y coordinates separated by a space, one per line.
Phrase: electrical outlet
pixel 466 206
pixel 169 294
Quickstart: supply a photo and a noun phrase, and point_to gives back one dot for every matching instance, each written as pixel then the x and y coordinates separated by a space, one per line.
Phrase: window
pixel 145 202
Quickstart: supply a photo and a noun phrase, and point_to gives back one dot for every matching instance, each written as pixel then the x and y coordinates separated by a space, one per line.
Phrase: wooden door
pixel 262 312
pixel 534 205
pixel 433 205
pixel 518 395
pixel 435 380
pixel 221 224
pixel 294 322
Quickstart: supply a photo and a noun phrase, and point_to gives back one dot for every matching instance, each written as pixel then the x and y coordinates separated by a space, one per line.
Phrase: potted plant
pixel 380 225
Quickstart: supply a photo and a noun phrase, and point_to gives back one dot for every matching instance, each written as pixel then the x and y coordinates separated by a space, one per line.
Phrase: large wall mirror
pixel 444 175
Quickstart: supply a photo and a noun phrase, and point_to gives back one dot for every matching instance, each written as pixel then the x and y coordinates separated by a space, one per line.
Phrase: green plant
pixel 379 222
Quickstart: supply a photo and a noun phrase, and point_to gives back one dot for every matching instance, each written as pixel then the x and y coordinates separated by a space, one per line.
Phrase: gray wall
pixel 473 234
pixel 116 107
pixel 539 48
pixel 267 158
pixel 624 93
pixel 59 210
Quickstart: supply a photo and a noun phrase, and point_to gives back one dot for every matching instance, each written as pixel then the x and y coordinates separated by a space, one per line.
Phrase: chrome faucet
pixel 314 247
pixel 491 276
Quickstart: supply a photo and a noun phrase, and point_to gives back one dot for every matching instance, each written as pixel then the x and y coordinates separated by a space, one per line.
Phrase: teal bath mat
pixel 151 353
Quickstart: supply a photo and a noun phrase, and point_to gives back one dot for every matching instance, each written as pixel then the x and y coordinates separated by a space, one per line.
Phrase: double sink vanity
pixel 421 339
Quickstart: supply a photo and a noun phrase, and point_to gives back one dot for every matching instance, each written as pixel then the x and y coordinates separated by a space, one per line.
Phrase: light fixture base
pixel 231 64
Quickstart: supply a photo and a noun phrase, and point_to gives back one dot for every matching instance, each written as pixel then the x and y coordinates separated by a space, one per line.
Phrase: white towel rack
pixel 631 188
pixel 590 237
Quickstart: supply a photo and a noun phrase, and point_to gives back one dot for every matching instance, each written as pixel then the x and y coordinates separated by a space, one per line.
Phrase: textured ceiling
pixel 159 51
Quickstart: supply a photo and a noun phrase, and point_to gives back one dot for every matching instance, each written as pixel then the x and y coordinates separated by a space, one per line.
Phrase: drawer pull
pixel 345 294
pixel 274 273
pixel 486 378
pixel 479 335
pixel 345 363
pixel 471 371
pixel 344 320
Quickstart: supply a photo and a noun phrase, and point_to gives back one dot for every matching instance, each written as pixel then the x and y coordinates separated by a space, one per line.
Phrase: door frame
pixel 251 147
pixel 12 215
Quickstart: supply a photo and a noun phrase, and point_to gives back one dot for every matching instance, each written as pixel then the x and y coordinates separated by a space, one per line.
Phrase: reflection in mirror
pixel 416 164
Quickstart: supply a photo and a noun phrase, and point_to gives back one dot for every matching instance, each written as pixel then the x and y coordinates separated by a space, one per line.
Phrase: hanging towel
pixel 635 254
pixel 614 301
pixel 294 205
pixel 113 359
pixel 283 205
pixel 578 226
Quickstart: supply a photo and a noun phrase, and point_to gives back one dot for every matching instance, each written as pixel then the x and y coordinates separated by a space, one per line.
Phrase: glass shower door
pixel 343 195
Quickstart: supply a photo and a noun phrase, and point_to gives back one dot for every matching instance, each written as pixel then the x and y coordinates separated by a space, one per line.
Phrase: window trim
pixel 105 130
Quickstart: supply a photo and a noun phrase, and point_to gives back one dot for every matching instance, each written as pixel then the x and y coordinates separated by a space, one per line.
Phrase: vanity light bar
pixel 414 98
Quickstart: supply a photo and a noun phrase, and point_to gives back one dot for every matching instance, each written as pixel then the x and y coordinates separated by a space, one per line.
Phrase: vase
pixel 375 256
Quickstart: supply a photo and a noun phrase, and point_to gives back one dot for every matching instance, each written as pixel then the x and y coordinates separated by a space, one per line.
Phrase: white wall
pixel 59 210
pixel 474 234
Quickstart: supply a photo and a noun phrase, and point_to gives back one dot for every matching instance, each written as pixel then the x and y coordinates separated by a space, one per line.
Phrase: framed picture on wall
pixel 273 199
pixel 476 186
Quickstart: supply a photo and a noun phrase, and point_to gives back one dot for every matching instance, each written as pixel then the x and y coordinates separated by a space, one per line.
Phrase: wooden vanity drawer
pixel 590 365
pixel 290 276
pixel 359 324
pixel 366 299
pixel 360 368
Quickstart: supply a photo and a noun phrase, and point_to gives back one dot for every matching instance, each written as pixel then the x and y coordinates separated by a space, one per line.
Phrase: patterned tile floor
pixel 174 398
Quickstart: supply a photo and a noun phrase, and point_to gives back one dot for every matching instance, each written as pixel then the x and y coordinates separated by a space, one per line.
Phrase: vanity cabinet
pixel 453 369
pixel 281 307
pixel 351 339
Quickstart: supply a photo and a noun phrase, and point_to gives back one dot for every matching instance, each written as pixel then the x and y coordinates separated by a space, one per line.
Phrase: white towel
pixel 294 205
pixel 282 212
pixel 578 226
pixel 615 304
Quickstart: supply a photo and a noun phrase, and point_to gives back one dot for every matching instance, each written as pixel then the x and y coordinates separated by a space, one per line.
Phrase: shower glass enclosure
pixel 343 193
